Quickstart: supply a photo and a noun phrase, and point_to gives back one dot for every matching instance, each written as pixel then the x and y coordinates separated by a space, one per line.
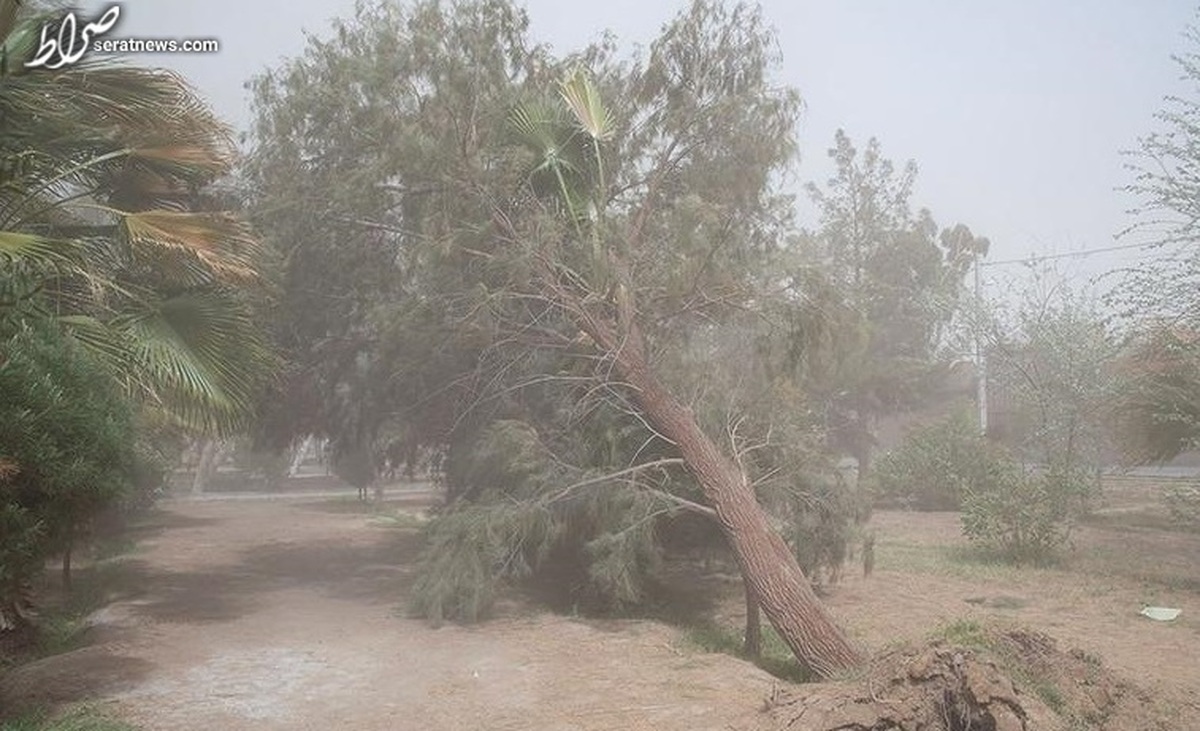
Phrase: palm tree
pixel 108 226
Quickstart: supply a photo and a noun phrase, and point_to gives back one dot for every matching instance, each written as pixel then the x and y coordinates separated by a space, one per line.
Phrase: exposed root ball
pixel 1020 682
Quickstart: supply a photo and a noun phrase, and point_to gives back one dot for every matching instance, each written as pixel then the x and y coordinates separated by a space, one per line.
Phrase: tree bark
pixel 768 567
pixel 752 646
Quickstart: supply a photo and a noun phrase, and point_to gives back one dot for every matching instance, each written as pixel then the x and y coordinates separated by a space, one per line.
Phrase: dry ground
pixel 282 614
pixel 256 614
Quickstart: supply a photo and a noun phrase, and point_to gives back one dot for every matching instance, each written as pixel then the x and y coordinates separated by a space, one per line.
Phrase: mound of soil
pixel 1012 680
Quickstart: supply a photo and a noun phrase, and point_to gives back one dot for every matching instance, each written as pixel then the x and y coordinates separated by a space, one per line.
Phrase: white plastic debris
pixel 1160 614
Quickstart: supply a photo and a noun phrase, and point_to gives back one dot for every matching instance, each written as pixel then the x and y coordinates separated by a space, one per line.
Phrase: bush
pixel 1184 503
pixel 937 465
pixel 65 437
pixel 1021 514
pixel 1026 514
pixel 825 525
pixel 514 519
pixel 21 555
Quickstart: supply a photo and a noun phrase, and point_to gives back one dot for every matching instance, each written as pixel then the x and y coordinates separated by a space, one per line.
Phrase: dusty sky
pixel 1016 112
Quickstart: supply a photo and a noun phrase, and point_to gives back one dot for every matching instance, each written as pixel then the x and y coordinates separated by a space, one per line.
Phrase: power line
pixel 1068 255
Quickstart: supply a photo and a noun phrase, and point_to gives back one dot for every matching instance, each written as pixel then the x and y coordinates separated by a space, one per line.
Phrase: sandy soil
pixel 1092 601
pixel 284 615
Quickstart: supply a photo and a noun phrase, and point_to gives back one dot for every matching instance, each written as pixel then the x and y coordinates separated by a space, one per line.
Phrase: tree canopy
pixel 582 235
pixel 1157 300
pixel 900 279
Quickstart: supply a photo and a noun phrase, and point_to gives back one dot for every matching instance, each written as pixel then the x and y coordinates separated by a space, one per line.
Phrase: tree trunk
pixel 752 646
pixel 298 455
pixel 864 438
pixel 207 466
pixel 66 560
pixel 767 565
pixel 410 460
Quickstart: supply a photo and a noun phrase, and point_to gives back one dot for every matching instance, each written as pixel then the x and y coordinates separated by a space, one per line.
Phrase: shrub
pixel 825 525
pixel 1026 514
pixel 65 435
pixel 516 518
pixel 1184 503
pixel 936 465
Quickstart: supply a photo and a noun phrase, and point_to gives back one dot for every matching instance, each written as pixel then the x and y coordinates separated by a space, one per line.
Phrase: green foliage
pixel 900 282
pixel 115 231
pixel 937 465
pixel 1051 390
pixel 82 719
pixel 156 449
pixel 471 549
pixel 1021 514
pixel 775 657
pixel 965 632
pixel 22 550
pixel 66 431
pixel 1050 369
pixel 1184 503
pixel 1025 515
pixel 518 517
pixel 825 526
pixel 1166 169
pixel 424 176
pixel 1157 413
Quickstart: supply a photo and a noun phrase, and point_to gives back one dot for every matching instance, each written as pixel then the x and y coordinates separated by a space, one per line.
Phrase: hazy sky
pixel 1015 111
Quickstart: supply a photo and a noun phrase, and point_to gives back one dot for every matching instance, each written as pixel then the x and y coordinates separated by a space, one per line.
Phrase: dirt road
pixel 285 615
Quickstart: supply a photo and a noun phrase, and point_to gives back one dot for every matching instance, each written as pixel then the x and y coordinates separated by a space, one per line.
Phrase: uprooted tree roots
pixel 944 688
pixel 1000 681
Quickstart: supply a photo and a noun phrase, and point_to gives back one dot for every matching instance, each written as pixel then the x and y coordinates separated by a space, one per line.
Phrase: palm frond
pixel 101 163
pixel 8 17
pixel 201 357
pixel 562 166
pixel 542 128
pixel 106 345
pixel 38 250
pixel 19 35
pixel 191 157
pixel 584 101
pixel 221 241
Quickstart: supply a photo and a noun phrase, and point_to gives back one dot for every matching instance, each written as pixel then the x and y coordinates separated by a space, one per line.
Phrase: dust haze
pixel 404 364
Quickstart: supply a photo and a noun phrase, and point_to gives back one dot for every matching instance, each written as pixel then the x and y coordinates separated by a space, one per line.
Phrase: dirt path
pixel 283 615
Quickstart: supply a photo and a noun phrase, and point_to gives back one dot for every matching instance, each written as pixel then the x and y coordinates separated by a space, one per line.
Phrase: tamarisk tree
pixel 577 222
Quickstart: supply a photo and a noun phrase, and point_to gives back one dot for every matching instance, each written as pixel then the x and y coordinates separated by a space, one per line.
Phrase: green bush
pixel 824 527
pixel 21 555
pixel 1021 514
pixel 1184 503
pixel 515 519
pixel 66 436
pixel 1026 514
pixel 937 465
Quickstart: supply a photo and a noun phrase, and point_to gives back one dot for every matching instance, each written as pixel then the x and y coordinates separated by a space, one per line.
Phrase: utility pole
pixel 980 358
